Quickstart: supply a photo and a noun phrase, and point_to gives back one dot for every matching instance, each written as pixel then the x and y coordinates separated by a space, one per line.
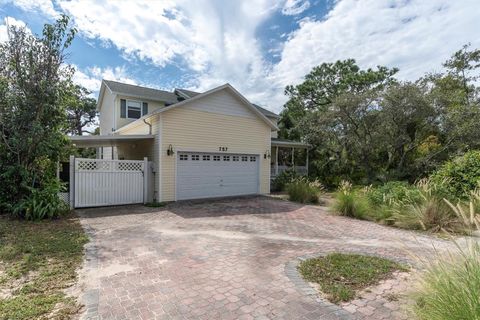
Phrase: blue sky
pixel 259 46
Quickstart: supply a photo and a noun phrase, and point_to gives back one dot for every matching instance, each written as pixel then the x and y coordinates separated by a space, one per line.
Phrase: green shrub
pixel 350 203
pixel 303 191
pixel 430 212
pixel 42 203
pixel 450 287
pixel 281 181
pixel 462 175
pixel 393 191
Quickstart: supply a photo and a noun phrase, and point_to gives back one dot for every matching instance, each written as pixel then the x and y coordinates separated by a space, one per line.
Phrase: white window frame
pixel 128 106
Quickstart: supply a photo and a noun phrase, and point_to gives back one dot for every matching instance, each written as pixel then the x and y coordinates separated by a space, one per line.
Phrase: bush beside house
pixel 33 94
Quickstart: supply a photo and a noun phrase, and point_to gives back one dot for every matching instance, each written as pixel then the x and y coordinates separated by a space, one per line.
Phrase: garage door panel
pixel 208 178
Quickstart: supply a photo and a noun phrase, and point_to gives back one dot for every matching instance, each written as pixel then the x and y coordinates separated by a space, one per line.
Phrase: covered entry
pixel 207 175
pixel 106 182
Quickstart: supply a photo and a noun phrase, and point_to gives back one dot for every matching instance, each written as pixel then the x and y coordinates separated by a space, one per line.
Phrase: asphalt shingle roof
pixel 144 92
pixel 162 95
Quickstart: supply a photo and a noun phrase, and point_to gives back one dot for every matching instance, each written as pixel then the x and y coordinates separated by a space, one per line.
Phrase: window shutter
pixel 144 108
pixel 123 108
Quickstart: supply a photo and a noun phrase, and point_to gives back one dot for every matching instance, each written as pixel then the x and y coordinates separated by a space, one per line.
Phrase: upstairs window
pixel 134 109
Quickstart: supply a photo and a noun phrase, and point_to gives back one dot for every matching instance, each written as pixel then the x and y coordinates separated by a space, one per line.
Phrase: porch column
pixel 307 162
pixel 145 180
pixel 71 183
pixel 293 158
pixel 276 160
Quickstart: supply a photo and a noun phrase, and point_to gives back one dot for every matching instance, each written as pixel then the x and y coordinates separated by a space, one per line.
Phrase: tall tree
pixel 33 79
pixel 81 111
pixel 331 111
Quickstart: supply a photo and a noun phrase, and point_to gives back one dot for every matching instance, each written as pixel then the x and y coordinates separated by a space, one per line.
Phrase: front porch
pixel 288 155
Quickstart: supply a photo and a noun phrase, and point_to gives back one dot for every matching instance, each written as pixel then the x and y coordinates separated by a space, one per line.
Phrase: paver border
pixel 90 298
pixel 291 271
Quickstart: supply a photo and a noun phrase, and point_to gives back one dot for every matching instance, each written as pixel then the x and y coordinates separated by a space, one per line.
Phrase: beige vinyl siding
pixel 106 117
pixel 120 122
pixel 275 122
pixel 189 129
pixel 106 120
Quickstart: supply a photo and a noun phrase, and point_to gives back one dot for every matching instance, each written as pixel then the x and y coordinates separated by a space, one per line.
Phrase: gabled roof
pixel 226 86
pixel 190 94
pixel 169 98
pixel 187 93
pixel 266 112
pixel 142 92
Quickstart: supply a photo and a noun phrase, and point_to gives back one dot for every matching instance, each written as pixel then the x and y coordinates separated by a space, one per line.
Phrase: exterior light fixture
pixel 266 155
pixel 170 151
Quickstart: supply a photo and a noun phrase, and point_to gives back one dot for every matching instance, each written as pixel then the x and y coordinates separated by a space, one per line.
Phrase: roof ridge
pixel 136 85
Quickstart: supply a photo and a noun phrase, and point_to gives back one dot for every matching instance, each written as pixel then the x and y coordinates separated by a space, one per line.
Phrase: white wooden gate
pixel 109 182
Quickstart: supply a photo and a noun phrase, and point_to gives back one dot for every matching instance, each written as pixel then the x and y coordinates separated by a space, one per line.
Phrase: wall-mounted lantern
pixel 266 155
pixel 170 151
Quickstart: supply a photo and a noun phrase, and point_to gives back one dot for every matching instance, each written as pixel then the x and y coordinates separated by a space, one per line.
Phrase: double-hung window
pixel 134 109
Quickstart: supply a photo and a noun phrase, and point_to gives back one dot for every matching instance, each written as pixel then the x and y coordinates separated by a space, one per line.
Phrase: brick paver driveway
pixel 224 259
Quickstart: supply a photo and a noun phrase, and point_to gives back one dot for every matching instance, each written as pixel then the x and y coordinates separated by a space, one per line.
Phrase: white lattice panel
pixel 107 165
pixel 129 166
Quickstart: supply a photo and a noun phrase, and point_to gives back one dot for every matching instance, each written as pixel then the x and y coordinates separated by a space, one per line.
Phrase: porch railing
pixel 301 170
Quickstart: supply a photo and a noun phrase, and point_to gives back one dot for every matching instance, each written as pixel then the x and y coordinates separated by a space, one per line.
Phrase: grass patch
pixel 39 260
pixel 340 275
pixel 155 204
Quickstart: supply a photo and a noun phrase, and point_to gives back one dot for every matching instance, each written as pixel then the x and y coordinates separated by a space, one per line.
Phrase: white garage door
pixel 206 175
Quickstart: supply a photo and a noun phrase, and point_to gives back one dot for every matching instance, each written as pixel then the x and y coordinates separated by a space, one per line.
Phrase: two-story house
pixel 202 145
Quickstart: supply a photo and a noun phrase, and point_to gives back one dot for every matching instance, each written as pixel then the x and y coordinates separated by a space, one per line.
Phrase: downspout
pixel 149 125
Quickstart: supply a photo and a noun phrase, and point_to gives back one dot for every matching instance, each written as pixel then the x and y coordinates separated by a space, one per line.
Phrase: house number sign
pixel 222 148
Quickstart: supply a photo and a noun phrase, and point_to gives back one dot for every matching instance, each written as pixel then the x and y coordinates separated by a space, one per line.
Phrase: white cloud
pixel 294 7
pixel 9 22
pixel 44 7
pixel 416 36
pixel 217 41
pixel 91 78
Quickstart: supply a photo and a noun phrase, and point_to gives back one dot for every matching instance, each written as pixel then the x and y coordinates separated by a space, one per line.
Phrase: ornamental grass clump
pixel 450 286
pixel 430 212
pixel 304 191
pixel 349 202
